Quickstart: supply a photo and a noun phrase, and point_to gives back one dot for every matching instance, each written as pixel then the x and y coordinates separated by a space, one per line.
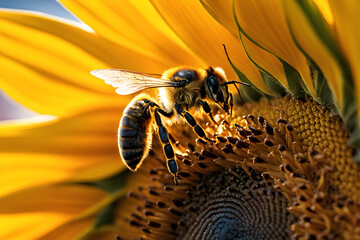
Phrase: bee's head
pixel 217 91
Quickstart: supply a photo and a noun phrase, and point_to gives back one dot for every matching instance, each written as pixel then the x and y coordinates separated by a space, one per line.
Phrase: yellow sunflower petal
pixel 108 232
pixel 53 198
pixel 309 41
pixel 45 209
pixel 46 63
pixel 97 226
pixel 78 148
pixel 265 60
pixel 87 132
pixel 25 170
pixel 222 11
pixel 135 25
pixel 347 17
pixel 324 7
pixel 265 24
pixel 205 37
pixel 71 230
pixel 29 225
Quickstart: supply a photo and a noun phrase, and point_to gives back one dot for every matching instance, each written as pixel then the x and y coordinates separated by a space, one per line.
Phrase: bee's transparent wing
pixel 128 82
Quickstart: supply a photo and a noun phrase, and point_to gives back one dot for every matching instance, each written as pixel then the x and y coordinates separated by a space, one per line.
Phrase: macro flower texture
pixel 283 165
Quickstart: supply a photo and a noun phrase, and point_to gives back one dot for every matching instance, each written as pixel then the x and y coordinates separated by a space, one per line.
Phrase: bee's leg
pixel 164 138
pixel 192 122
pixel 148 104
pixel 231 101
pixel 207 109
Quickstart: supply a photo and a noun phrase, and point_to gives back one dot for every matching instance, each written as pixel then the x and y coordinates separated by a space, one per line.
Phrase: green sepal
pixel 296 85
pixel 273 84
pixel 348 110
pixel 356 158
pixel 106 216
pixel 248 94
pixel 111 184
pixel 323 92
pixel 116 186
pixel 320 26
pixel 355 141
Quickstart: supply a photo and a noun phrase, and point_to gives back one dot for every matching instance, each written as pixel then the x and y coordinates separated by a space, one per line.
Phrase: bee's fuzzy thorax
pixel 194 90
pixel 167 96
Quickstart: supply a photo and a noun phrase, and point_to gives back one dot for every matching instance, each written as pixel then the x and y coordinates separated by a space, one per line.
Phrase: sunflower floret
pixel 266 149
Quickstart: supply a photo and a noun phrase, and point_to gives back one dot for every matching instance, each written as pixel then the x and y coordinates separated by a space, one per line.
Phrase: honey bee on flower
pixel 180 89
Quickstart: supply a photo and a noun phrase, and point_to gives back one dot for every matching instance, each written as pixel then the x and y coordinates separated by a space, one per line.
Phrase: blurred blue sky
pixel 48 6
pixel 9 109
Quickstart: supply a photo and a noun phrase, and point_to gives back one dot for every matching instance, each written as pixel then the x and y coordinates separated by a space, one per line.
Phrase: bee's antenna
pixel 233 82
pixel 227 55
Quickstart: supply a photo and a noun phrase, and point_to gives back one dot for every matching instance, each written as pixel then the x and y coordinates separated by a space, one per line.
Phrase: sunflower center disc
pixel 245 209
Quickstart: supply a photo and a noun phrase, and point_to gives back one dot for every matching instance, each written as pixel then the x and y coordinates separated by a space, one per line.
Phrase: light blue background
pixel 48 6
pixel 9 109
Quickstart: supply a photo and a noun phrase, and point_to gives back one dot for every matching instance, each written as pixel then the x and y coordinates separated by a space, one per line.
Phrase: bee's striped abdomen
pixel 135 133
pixel 131 141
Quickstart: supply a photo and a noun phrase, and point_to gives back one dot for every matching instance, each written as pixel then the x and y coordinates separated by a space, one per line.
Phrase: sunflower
pixel 284 163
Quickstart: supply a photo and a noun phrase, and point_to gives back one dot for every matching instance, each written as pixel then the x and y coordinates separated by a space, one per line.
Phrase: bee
pixel 180 89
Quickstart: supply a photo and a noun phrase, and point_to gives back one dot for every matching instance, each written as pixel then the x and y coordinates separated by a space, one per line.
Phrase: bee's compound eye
pixel 146 101
pixel 214 84
pixel 215 89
